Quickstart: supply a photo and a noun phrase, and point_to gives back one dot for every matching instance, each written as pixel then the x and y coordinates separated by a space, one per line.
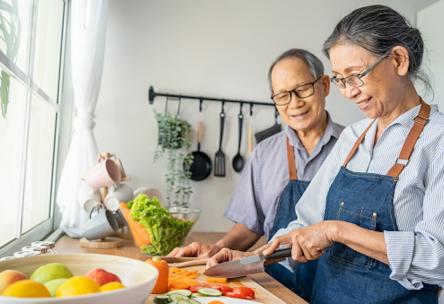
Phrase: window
pixel 31 46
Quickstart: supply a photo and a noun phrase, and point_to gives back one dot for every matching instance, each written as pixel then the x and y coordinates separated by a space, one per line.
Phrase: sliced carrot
pixel 217 280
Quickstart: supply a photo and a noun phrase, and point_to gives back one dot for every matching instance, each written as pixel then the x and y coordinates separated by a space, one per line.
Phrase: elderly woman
pixel 281 166
pixel 373 216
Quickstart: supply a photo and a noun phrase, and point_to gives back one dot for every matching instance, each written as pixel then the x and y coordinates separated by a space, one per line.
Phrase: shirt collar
pixel 407 119
pixel 332 130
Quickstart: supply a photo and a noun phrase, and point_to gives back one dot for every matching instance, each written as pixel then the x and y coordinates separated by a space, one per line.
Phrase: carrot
pixel 215 302
pixel 139 233
pixel 216 280
pixel 162 280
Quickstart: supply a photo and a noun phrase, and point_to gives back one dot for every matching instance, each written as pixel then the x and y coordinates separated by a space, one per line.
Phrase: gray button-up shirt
pixel 255 199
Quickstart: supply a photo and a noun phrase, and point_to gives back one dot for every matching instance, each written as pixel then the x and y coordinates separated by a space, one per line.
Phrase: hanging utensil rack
pixel 153 94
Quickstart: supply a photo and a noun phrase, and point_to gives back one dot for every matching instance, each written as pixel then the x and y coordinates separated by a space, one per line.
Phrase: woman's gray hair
pixel 314 63
pixel 379 28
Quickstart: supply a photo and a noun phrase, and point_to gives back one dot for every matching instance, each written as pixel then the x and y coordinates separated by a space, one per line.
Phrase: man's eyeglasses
pixel 354 80
pixel 301 91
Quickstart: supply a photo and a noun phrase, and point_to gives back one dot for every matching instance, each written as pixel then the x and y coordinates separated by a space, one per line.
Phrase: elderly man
pixel 281 166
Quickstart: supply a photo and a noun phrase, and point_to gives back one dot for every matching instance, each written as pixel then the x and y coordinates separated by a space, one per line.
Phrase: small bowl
pixel 137 276
pixel 186 214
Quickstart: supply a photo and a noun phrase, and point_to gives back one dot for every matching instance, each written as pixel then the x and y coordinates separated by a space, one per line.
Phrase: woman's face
pixel 377 96
pixel 301 114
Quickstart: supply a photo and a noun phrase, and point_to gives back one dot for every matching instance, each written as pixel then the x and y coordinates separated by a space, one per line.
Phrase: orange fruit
pixel 75 286
pixel 26 289
pixel 111 286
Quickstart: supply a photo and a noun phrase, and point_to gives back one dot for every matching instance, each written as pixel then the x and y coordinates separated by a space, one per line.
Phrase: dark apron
pixel 365 199
pixel 286 213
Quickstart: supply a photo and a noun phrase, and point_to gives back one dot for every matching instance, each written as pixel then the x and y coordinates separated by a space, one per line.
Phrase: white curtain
pixel 87 33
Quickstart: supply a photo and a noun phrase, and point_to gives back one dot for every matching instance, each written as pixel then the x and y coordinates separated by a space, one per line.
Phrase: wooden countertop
pixel 67 244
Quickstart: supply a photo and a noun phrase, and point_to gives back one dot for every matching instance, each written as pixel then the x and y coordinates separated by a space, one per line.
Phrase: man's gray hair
pixel 314 64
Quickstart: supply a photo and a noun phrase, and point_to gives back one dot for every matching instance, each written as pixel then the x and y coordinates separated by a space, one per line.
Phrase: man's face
pixel 301 114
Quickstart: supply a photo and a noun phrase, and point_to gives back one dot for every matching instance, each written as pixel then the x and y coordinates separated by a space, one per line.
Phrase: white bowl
pixel 138 277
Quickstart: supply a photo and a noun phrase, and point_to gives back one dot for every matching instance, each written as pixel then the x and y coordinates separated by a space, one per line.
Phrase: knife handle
pixel 280 253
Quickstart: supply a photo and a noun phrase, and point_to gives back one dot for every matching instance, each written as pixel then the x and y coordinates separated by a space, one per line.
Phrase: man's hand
pixel 195 249
pixel 225 255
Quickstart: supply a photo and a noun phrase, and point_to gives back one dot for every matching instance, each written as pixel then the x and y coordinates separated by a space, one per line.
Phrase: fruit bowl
pixel 138 277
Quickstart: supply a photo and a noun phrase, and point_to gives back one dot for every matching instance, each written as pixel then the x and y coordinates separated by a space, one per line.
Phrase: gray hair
pixel 379 28
pixel 314 63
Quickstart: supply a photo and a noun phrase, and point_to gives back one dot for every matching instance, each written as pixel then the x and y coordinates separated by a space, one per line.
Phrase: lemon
pixel 77 286
pixel 111 286
pixel 26 289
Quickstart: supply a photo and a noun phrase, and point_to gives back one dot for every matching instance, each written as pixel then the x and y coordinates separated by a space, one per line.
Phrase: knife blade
pixel 247 265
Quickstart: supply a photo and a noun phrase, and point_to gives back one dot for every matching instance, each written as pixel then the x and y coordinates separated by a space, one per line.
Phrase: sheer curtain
pixel 87 33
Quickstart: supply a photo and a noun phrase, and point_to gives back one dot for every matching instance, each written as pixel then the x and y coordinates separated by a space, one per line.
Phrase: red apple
pixel 7 277
pixel 101 276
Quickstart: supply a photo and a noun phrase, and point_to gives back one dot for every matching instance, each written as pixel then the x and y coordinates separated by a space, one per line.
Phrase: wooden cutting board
pixel 262 295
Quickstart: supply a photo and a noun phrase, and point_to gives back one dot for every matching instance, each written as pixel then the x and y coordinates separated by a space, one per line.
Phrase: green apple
pixel 53 285
pixel 51 272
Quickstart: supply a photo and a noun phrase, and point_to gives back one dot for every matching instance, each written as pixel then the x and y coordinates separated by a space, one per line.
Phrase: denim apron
pixel 286 213
pixel 365 199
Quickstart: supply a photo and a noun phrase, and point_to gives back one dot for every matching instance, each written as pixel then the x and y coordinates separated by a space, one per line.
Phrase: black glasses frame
pixel 295 91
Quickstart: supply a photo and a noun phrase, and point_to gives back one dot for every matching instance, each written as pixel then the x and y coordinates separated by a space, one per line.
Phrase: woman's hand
pixel 195 249
pixel 308 243
pixel 225 255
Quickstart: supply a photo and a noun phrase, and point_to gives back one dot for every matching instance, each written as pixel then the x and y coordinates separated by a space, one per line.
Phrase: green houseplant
pixel 174 141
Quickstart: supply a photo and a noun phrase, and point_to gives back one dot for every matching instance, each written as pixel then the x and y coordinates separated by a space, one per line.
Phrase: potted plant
pixel 174 140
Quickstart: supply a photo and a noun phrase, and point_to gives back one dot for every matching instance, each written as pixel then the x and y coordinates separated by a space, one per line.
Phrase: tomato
pixel 196 287
pixel 241 292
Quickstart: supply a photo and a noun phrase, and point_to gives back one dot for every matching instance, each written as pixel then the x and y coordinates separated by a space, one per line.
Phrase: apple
pixel 51 271
pixel 9 276
pixel 53 285
pixel 101 276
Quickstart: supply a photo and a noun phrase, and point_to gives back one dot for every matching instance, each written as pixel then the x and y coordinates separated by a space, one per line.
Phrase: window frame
pixel 61 136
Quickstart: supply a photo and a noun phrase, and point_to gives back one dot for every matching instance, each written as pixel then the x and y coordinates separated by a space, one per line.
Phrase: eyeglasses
pixel 301 91
pixel 354 80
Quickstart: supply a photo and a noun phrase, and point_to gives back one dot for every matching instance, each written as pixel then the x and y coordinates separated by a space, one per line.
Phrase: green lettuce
pixel 166 232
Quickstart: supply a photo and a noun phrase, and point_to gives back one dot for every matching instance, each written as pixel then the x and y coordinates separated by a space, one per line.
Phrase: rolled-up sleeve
pixel 417 256
pixel 244 206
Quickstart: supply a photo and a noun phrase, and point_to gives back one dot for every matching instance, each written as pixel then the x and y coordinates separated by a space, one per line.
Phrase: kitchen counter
pixel 67 244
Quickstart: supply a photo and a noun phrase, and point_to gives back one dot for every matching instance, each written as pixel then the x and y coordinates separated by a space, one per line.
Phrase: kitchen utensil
pixel 274 129
pixel 193 262
pixel 219 158
pixel 247 265
pixel 121 193
pixel 249 138
pixel 103 224
pixel 104 174
pixel 137 276
pixel 238 160
pixel 201 166
pixel 88 199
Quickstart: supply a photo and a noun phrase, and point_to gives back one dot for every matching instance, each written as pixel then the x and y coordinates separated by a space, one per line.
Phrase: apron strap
pixel 356 145
pixel 292 170
pixel 420 121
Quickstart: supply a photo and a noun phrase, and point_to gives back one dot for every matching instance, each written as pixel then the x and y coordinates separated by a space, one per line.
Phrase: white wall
pixel 210 48
pixel 431 23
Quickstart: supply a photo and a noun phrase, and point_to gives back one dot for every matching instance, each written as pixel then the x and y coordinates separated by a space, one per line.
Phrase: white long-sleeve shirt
pixel 416 251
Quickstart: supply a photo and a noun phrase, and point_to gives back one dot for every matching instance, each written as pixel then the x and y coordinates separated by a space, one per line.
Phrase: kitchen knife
pixel 247 265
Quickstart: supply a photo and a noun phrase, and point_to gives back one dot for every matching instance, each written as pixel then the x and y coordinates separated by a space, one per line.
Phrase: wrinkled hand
pixel 195 249
pixel 225 255
pixel 308 243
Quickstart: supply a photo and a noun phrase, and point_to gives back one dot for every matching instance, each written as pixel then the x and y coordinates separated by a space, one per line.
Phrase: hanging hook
pixel 240 108
pixel 200 104
pixel 223 104
pixel 178 107
pixel 166 105
pixel 251 109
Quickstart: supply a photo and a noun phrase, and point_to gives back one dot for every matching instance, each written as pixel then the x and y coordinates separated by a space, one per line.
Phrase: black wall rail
pixel 153 94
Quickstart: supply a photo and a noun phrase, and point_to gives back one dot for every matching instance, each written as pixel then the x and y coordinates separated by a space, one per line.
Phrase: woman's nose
pixel 350 91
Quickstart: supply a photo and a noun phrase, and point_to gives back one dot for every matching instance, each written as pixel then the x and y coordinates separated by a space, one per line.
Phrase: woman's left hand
pixel 308 243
